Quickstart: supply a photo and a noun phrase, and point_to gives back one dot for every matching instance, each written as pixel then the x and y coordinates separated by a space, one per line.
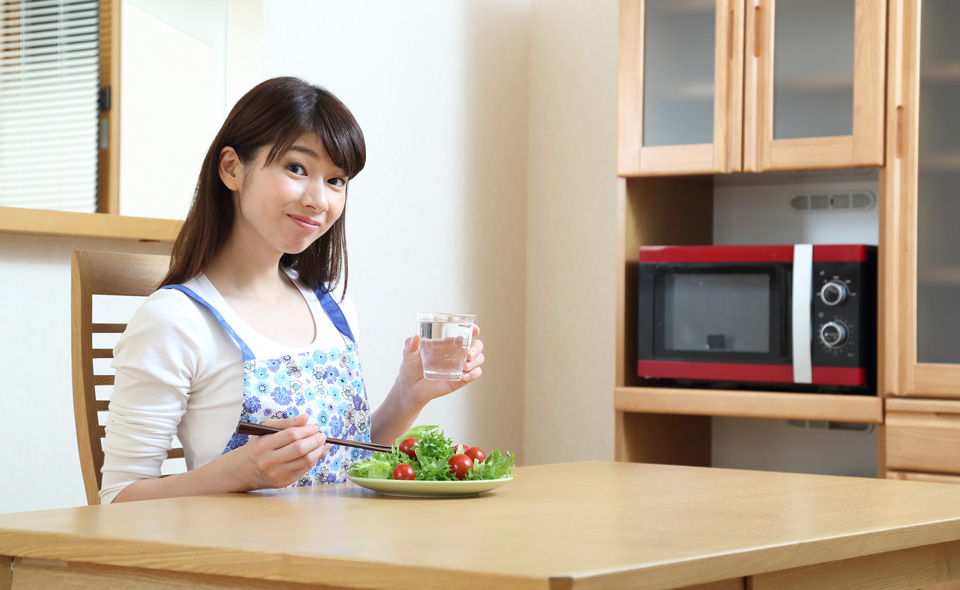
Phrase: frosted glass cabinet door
pixel 938 202
pixel 680 98
pixel 928 154
pixel 814 84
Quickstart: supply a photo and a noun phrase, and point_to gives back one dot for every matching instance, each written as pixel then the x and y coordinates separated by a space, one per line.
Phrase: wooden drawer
pixel 923 435
pixel 919 476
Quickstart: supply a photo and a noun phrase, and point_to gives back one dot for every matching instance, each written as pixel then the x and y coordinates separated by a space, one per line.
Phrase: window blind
pixel 49 87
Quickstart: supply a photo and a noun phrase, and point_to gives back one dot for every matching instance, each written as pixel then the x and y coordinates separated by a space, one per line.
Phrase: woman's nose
pixel 315 196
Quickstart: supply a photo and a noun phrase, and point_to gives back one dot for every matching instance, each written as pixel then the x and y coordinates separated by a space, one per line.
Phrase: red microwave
pixel 800 317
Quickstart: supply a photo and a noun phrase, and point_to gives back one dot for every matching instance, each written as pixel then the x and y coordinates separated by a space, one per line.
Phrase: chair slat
pixel 103 380
pixel 108 328
pixel 102 405
pixel 103 353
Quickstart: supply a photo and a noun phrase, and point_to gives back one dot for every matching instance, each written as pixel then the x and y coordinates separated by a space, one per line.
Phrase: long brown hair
pixel 275 113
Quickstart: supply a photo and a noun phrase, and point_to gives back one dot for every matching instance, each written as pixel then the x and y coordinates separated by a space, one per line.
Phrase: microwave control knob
pixel 834 293
pixel 833 334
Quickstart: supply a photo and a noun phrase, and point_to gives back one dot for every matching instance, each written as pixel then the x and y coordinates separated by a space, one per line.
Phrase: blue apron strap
pixel 336 315
pixel 247 353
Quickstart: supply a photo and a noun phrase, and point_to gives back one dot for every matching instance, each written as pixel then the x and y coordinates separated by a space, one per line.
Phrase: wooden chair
pixel 102 273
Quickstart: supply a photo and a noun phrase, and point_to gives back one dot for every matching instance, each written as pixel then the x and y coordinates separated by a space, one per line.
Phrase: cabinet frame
pixel 865 147
pixel 725 153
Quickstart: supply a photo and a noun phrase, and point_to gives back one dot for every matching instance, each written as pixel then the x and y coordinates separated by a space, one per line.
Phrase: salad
pixel 423 453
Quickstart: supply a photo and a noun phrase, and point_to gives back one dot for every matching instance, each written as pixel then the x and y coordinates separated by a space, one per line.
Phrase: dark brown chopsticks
pixel 258 429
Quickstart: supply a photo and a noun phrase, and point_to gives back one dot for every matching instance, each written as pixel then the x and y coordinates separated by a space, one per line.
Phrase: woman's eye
pixel 296 168
pixel 338 182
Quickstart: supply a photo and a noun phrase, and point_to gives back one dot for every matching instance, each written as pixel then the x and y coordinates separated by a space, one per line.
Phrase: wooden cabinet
pixel 693 75
pixel 921 266
pixel 715 86
pixel 908 111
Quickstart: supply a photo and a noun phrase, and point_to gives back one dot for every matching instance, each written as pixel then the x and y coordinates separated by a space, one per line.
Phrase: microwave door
pixel 729 313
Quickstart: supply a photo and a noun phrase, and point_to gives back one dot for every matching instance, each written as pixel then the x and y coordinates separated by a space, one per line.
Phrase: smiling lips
pixel 305 222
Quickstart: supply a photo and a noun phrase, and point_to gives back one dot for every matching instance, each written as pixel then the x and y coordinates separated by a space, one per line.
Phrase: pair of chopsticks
pixel 258 429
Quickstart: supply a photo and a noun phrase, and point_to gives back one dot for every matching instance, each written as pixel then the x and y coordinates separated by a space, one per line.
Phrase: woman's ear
pixel 230 169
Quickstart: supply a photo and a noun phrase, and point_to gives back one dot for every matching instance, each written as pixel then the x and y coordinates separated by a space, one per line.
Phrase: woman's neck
pixel 236 272
pixel 263 296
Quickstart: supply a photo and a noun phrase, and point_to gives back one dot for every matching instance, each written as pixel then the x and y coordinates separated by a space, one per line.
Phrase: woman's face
pixel 286 205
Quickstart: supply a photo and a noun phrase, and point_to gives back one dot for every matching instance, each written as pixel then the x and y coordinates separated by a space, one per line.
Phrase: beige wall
pixel 571 232
pixel 489 188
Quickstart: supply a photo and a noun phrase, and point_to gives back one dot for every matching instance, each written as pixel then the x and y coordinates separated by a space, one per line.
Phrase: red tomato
pixel 403 471
pixel 406 446
pixel 476 453
pixel 460 464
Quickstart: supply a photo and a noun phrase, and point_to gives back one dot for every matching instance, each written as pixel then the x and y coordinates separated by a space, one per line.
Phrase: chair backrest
pixel 102 273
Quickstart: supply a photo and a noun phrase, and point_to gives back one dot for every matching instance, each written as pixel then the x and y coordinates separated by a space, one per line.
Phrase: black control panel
pixel 844 306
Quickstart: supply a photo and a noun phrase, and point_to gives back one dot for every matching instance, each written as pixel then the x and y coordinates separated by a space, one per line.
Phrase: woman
pixel 246 325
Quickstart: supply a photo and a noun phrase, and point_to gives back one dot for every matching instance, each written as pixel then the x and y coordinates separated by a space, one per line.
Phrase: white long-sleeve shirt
pixel 178 372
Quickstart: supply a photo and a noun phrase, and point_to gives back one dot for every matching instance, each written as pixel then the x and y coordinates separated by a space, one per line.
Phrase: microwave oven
pixel 799 317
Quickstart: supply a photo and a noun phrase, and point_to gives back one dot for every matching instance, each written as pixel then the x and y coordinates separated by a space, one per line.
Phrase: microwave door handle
pixel 802 294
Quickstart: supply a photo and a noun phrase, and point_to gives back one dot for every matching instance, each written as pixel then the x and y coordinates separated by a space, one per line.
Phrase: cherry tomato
pixel 460 464
pixel 406 446
pixel 476 453
pixel 403 471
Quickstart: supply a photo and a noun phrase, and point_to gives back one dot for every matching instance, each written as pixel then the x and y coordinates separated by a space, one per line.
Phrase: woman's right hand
pixel 277 460
pixel 269 461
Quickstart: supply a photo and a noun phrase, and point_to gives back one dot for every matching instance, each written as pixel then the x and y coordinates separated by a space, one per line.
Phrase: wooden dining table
pixel 590 525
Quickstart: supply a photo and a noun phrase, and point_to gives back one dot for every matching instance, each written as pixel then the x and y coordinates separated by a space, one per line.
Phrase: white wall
pixel 436 221
pixel 169 113
pixel 38 444
pixel 489 188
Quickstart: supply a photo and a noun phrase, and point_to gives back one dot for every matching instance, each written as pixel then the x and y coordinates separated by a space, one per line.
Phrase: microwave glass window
pixel 716 312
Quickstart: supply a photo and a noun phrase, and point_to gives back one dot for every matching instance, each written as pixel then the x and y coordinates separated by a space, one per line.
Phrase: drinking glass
pixel 444 341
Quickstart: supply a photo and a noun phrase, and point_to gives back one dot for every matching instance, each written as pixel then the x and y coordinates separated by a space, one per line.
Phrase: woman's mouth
pixel 305 222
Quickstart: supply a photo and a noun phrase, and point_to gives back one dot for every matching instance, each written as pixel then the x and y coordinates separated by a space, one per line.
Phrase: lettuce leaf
pixel 495 466
pixel 416 432
pixel 378 466
pixel 433 452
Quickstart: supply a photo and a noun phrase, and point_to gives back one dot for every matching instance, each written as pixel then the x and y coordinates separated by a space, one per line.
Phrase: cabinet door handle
pixel 900 132
pixel 730 37
pixel 757 43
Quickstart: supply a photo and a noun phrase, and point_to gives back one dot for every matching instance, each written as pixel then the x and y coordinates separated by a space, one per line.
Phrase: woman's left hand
pixel 424 390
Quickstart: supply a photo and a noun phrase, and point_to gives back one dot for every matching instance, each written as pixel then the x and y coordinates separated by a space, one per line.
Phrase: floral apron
pixel 326 384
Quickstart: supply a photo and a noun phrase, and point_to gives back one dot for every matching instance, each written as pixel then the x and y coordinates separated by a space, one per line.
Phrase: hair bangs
pixel 340 137
pixel 343 140
pixel 284 140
